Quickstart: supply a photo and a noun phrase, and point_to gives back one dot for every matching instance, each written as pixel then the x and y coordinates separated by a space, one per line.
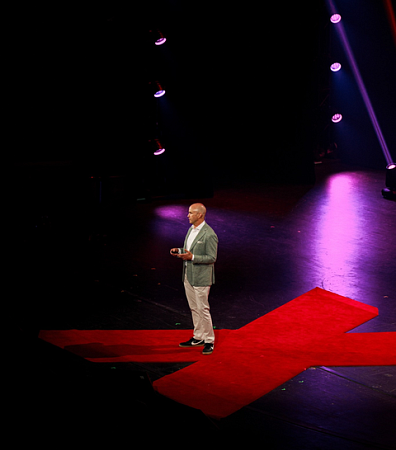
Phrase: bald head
pixel 196 214
pixel 199 207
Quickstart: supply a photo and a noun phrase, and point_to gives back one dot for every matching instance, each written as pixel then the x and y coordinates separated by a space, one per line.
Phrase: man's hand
pixel 187 256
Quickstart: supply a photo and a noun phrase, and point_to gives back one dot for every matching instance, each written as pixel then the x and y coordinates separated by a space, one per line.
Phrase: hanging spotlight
pixel 159 93
pixel 335 67
pixel 389 191
pixel 157 147
pixel 335 18
pixel 336 118
pixel 157 89
pixel 161 40
pixel 157 37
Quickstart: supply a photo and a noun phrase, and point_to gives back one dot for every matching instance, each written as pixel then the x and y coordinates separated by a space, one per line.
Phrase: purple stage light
pixel 335 18
pixel 159 151
pixel 361 86
pixel 335 67
pixel 336 118
pixel 157 88
pixel 157 146
pixel 157 37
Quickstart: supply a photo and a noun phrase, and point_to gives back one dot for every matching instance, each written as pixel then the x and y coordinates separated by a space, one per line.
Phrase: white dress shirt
pixel 193 234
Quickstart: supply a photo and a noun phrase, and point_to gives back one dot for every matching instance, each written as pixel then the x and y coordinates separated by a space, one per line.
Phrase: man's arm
pixel 211 251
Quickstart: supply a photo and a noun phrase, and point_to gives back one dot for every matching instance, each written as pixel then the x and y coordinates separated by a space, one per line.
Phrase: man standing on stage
pixel 199 255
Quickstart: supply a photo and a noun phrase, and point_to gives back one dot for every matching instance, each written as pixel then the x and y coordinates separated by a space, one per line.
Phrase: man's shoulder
pixel 209 229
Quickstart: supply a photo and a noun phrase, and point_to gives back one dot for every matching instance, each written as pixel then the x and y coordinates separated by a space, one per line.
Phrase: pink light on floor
pixel 171 212
pixel 338 231
pixel 336 118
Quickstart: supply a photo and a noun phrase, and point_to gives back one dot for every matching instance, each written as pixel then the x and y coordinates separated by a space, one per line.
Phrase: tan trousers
pixel 197 298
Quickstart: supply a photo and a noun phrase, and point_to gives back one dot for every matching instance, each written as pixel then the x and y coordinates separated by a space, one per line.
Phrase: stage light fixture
pixel 157 89
pixel 159 93
pixel 157 147
pixel 390 181
pixel 157 37
pixel 335 67
pixel 160 41
pixel 335 18
pixel 389 191
pixel 360 83
pixel 336 118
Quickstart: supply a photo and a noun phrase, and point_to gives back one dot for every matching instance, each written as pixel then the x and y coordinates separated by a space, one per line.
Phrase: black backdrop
pixel 240 85
pixel 244 78
pixel 242 88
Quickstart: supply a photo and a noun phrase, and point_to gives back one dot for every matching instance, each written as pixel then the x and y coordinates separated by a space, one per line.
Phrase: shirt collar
pixel 199 227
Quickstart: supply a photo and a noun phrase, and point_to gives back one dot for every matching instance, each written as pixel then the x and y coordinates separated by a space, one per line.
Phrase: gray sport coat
pixel 200 272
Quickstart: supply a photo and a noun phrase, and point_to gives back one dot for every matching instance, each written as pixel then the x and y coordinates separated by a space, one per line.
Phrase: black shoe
pixel 208 349
pixel 192 343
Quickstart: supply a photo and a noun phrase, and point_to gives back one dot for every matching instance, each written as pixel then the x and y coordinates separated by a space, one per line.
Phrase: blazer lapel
pixel 198 237
pixel 186 238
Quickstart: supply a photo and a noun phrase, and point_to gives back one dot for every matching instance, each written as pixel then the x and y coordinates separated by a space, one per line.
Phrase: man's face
pixel 193 216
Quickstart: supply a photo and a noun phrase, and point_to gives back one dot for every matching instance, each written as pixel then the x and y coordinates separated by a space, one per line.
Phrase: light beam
pixel 341 31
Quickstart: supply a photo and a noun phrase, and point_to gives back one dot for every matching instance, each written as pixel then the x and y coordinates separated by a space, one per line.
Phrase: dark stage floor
pixel 276 242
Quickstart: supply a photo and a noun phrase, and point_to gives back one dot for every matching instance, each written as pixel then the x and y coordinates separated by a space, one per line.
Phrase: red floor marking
pixel 247 363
